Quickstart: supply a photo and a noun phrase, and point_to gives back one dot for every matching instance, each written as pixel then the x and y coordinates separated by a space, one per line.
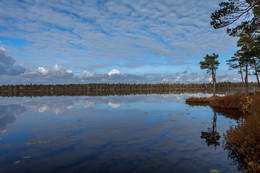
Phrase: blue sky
pixel 46 41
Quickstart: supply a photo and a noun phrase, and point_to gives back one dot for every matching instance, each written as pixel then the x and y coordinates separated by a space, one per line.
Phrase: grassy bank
pixel 199 100
pixel 243 141
pixel 248 104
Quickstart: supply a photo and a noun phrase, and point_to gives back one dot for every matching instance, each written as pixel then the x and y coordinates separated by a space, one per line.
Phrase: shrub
pixel 198 100
pixel 244 142
pixel 227 102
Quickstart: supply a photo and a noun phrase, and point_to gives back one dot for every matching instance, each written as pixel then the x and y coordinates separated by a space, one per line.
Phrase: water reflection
pixel 7 115
pixel 59 105
pixel 211 135
pixel 114 105
pixel 153 133
pixel 232 114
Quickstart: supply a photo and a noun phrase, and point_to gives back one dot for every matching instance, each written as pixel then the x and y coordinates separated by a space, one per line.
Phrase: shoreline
pixel 243 140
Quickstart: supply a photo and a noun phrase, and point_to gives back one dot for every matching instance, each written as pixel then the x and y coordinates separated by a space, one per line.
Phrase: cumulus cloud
pixel 69 71
pixel 42 75
pixel 86 74
pixel 57 70
pixel 1 48
pixel 7 65
pixel 54 75
pixel 177 79
pixel 197 79
pixel 57 67
pixel 42 70
pixel 113 72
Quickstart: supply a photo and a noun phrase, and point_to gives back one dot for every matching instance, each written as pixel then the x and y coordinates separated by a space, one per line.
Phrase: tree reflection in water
pixel 211 135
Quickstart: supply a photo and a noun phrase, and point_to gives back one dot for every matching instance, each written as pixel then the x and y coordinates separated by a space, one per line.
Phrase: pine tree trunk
pixel 214 89
pixel 246 79
pixel 214 83
pixel 256 74
pixel 241 72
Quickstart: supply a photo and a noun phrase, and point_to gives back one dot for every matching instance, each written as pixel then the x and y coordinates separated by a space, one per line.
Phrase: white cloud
pixel 69 71
pixel 113 72
pixel 56 70
pixel 3 49
pixel 166 80
pixel 57 67
pixel 42 75
pixel 86 74
pixel 177 79
pixel 196 79
pixel 42 70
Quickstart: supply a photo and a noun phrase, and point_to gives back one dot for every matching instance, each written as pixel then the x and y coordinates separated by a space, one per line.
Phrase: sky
pixel 110 41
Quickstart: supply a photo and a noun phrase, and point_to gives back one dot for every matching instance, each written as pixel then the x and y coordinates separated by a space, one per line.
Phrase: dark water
pixel 136 133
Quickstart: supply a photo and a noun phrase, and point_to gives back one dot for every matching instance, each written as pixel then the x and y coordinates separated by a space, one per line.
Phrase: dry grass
pixel 226 102
pixel 247 104
pixel 199 100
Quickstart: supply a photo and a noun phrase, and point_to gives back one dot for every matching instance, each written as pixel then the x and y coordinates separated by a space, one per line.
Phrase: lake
pixel 132 133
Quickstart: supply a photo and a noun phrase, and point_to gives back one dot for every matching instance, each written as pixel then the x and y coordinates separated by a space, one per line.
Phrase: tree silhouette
pixel 247 12
pixel 211 135
pixel 211 64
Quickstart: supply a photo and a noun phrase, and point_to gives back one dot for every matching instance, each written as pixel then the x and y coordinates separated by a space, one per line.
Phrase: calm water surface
pixel 135 133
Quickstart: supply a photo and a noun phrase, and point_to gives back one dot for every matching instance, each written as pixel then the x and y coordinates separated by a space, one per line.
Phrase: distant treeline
pixel 93 89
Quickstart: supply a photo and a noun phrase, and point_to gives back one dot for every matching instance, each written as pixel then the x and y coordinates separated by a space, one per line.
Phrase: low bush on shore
pixel 246 103
pixel 198 100
pixel 243 141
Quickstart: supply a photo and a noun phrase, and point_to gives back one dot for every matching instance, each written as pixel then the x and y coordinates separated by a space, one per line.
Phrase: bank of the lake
pixel 243 141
